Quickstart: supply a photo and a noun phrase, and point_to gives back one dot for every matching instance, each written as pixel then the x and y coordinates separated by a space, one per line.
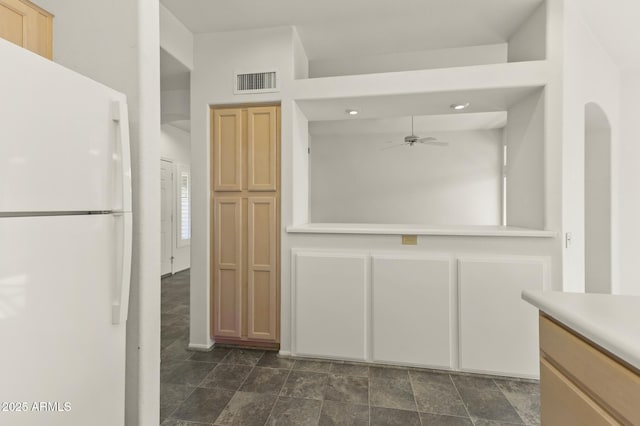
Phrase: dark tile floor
pixel 246 387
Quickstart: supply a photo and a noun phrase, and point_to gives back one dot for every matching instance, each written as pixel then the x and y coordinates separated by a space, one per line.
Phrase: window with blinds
pixel 184 205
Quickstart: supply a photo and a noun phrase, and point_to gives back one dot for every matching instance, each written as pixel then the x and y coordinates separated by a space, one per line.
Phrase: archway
pixel 597 185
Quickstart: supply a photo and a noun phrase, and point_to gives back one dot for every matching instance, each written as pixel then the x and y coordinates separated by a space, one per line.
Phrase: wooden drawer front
pixel 562 403
pixel 611 384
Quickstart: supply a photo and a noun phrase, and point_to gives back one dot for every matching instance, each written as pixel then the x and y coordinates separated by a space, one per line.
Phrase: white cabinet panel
pixel 411 305
pixel 330 309
pixel 498 330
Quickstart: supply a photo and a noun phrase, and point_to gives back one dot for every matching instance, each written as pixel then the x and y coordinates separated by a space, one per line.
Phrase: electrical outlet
pixel 409 240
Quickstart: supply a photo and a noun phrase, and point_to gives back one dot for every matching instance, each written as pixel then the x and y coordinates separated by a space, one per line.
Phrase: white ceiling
pixel 173 74
pixel 340 28
pixel 488 100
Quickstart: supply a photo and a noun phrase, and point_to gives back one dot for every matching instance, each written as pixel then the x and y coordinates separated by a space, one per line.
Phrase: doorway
pixel 597 184
pixel 166 217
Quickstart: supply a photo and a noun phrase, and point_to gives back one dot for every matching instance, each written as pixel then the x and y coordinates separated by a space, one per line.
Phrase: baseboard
pixel 248 344
pixel 416 367
pixel 200 348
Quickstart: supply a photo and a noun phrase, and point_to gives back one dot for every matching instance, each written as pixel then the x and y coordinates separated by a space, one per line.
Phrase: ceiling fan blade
pixel 432 141
pixel 393 146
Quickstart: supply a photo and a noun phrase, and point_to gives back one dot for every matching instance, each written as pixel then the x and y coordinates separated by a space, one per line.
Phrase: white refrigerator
pixel 65 244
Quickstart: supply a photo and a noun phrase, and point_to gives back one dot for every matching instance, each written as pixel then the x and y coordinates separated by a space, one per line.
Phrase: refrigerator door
pixel 64 138
pixel 62 356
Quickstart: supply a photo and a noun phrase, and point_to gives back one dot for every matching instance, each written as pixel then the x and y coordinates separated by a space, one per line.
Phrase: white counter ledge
pixel 611 322
pixel 390 229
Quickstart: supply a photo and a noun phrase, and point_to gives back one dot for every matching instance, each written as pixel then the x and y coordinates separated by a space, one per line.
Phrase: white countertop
pixel 611 322
pixel 400 229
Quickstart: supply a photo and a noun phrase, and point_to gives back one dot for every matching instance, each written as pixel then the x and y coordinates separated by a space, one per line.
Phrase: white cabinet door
pixel 330 304
pixel 412 310
pixel 58 282
pixel 499 330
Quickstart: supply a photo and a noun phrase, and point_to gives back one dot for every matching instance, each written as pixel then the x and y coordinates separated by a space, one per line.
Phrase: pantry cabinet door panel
pixel 227 150
pixel 227 270
pixel 262 134
pixel 262 289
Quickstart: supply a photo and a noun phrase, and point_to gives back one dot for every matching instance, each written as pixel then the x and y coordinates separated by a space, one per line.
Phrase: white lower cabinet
pixel 417 309
pixel 330 294
pixel 499 330
pixel 411 310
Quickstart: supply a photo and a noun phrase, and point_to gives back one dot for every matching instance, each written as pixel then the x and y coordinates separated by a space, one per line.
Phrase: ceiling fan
pixel 412 139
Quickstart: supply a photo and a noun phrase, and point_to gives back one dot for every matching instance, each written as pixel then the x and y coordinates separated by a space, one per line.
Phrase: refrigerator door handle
pixel 120 306
pixel 120 115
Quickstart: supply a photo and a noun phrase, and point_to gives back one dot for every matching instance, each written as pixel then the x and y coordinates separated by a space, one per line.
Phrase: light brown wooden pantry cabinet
pixel 27 25
pixel 245 225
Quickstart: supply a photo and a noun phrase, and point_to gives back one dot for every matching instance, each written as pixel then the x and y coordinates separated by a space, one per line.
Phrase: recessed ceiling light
pixel 460 107
pixel 352 111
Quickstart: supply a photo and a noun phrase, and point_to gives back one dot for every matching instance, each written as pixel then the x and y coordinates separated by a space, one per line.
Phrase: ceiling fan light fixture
pixel 352 111
pixel 460 107
pixel 412 139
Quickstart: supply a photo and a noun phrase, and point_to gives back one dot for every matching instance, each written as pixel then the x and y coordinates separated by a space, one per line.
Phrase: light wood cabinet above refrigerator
pixel 27 25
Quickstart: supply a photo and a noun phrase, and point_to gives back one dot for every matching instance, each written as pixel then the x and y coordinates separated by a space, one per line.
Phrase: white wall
pixel 406 61
pixel 176 105
pixel 175 145
pixel 175 38
pixel 356 178
pixel 589 75
pixel 300 59
pixel 116 43
pixel 628 175
pixel 216 57
pixel 297 168
pixel 553 134
pixel 524 137
pixel 529 41
pixel 597 183
pixel 433 81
